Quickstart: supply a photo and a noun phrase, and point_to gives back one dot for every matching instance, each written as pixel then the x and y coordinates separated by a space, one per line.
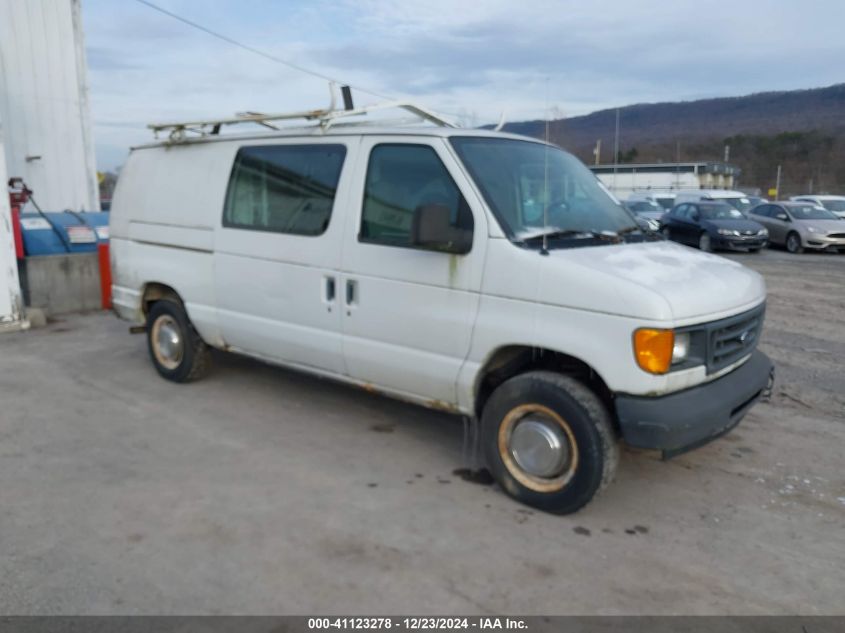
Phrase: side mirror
pixel 432 228
pixel 695 217
pixel 782 216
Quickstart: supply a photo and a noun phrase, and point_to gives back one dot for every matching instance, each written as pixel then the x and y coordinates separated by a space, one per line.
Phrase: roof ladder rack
pixel 178 131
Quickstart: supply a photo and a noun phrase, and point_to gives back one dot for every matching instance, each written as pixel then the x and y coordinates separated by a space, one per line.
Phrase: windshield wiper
pixel 630 229
pixel 563 233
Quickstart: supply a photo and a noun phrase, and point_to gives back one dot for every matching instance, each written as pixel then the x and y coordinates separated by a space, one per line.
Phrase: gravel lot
pixel 259 490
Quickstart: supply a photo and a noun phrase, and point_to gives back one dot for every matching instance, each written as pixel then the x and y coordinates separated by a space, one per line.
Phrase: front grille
pixel 729 340
pixel 836 234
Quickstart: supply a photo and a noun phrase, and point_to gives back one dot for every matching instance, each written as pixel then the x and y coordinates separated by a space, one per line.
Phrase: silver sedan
pixel 799 225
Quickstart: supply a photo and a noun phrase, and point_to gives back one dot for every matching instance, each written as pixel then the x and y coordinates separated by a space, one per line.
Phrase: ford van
pixel 476 272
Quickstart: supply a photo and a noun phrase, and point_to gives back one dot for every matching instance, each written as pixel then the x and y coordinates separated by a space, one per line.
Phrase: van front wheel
pixel 177 351
pixel 548 441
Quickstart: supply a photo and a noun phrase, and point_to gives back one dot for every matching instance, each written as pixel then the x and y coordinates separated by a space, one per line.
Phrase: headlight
pixel 680 350
pixel 727 232
pixel 654 349
pixel 763 232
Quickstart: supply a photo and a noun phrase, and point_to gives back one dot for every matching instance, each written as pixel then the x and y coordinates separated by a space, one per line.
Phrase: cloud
pixel 473 59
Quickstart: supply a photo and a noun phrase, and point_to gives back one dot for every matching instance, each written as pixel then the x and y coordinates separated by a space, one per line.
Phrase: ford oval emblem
pixel 744 336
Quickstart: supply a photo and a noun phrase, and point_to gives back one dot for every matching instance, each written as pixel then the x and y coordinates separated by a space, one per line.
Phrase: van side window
pixel 401 180
pixel 283 188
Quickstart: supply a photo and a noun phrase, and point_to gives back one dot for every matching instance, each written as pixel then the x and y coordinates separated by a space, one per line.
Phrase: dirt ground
pixel 259 490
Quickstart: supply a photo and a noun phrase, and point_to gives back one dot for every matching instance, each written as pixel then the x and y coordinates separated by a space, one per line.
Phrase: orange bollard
pixel 105 274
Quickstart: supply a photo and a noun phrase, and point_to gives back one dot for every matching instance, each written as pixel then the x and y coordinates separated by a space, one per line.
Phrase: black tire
pixel 704 242
pixel 793 243
pixel 596 453
pixel 194 361
pixel 667 232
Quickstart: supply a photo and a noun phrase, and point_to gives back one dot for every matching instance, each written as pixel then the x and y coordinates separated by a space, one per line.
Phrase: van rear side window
pixel 283 188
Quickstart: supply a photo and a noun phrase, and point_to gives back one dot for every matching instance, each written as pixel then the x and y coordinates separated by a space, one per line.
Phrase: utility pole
pixel 777 186
pixel 677 164
pixel 616 151
pixel 597 152
pixel 727 153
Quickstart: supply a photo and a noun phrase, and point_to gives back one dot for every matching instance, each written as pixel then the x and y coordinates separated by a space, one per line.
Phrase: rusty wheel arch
pixel 154 291
pixel 513 360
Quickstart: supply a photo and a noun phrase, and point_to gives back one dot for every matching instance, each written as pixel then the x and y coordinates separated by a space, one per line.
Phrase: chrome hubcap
pixel 539 446
pixel 167 342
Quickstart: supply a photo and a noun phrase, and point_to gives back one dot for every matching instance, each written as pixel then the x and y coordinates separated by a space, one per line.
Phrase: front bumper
pixel 681 421
pixel 823 242
pixel 739 243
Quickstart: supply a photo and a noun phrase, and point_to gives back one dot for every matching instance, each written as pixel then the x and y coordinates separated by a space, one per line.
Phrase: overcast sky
pixel 472 58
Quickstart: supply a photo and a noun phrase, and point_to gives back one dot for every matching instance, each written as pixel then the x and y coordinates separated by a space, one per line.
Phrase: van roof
pixel 713 193
pixel 341 130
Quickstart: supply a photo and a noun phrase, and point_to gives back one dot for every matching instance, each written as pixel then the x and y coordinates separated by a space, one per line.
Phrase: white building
pixel 628 178
pixel 44 102
pixel 45 129
pixel 11 303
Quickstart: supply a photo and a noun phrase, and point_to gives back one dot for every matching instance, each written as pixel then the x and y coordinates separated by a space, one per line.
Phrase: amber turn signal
pixel 653 349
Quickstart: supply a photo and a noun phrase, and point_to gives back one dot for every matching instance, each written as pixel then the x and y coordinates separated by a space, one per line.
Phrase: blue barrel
pixel 60 232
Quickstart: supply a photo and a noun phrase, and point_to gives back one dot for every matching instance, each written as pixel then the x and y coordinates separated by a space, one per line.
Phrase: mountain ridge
pixel 804 130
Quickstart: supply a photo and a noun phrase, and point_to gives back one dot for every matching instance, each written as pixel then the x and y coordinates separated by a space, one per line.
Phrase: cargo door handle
pixel 351 292
pixel 331 289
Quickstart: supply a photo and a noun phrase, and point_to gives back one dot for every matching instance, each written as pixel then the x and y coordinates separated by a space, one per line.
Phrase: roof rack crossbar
pixel 325 118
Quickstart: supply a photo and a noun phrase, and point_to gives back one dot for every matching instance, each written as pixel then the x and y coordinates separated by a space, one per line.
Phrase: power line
pixel 256 51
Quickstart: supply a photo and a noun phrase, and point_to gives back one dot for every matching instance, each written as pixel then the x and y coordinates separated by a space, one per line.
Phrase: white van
pixel 475 272
pixel 738 200
pixel 665 199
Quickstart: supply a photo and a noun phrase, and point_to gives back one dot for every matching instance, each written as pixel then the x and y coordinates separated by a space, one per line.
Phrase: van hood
pixel 657 280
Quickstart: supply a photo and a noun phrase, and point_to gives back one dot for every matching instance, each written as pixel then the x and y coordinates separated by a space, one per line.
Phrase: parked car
pixel 666 199
pixel 646 224
pixel 800 225
pixel 834 204
pixel 713 225
pixel 736 199
pixel 475 272
pixel 647 213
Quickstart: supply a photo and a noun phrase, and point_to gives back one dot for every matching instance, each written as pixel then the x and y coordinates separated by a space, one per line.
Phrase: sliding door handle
pixel 351 292
pixel 330 288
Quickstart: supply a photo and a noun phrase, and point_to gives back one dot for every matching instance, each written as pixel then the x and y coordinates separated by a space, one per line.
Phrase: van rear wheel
pixel 177 351
pixel 548 441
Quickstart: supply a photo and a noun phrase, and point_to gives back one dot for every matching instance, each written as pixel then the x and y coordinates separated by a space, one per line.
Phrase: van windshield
pixel 535 189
